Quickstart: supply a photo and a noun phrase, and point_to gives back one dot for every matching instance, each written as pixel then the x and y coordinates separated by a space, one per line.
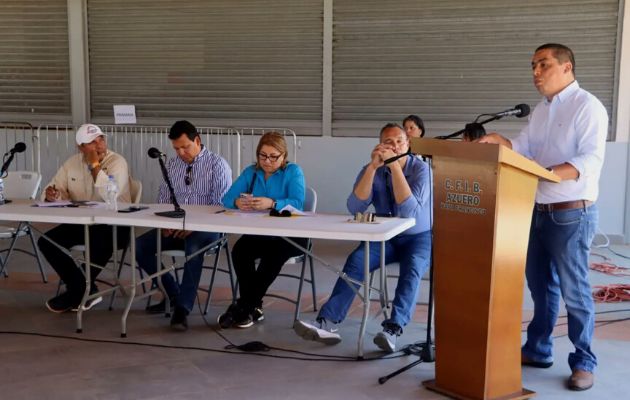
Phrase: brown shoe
pixel 581 380
pixel 536 364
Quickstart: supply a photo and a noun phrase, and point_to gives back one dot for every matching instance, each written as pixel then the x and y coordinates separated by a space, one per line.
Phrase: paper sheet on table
pixel 293 210
pixel 60 203
pixel 68 203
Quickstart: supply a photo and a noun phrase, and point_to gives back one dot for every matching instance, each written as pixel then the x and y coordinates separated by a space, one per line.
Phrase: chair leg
pixel 298 300
pixel 211 285
pixel 5 262
pixel 120 265
pixel 37 254
pixel 2 270
pixel 310 261
pixel 233 281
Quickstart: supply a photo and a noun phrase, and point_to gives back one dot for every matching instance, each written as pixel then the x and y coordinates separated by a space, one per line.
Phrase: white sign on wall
pixel 124 114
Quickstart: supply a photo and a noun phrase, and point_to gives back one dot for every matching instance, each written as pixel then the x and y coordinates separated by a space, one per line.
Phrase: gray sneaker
pixel 386 341
pixel 319 331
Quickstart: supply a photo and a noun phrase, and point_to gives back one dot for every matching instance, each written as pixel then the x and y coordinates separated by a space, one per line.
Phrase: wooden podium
pixel 482 205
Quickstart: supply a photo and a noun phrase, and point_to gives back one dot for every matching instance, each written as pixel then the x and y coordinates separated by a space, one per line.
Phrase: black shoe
pixel 66 301
pixel 243 319
pixel 159 308
pixel 226 319
pixel 179 321
pixel 258 315
pixel 90 303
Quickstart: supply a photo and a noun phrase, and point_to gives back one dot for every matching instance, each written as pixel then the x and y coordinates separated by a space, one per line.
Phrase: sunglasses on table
pixel 275 213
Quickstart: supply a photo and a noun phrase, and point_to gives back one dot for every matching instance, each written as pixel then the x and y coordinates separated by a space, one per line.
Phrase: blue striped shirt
pixel 210 178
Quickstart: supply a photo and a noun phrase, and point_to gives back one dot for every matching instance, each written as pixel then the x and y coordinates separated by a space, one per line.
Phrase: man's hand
pixel 52 194
pixel 91 156
pixel 179 234
pixel 494 138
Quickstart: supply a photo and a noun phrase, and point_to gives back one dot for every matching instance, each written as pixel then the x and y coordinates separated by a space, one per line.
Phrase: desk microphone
pixel 178 212
pixel 18 148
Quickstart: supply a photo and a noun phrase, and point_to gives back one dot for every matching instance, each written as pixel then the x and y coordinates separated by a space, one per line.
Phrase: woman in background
pixel 414 127
pixel 270 184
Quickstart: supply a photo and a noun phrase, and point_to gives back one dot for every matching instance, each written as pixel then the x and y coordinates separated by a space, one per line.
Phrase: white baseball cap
pixel 87 133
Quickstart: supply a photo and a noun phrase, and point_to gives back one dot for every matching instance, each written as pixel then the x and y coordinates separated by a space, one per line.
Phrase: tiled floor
pixel 42 357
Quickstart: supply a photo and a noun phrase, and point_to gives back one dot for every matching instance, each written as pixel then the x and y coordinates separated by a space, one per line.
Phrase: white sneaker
pixel 89 304
pixel 323 331
pixel 386 341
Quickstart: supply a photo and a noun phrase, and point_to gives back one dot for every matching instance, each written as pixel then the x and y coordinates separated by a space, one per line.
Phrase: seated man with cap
pixel 83 177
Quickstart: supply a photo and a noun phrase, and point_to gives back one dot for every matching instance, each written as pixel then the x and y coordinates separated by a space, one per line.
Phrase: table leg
pixel 366 297
pixel 88 280
pixel 132 291
pixel 158 256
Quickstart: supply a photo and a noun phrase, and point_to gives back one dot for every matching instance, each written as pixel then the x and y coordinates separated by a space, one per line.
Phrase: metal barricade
pixel 15 132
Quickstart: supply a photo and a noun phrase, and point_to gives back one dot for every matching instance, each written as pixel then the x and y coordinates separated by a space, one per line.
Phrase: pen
pixel 219 212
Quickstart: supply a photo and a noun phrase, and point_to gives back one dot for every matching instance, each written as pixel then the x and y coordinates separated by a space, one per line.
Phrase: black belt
pixel 564 205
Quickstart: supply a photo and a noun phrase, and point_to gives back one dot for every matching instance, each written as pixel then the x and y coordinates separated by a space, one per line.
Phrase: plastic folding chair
pixel 20 185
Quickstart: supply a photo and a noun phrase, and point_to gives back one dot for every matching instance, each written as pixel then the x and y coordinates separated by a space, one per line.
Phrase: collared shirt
pixel 286 186
pixel 210 177
pixel 570 128
pixel 418 205
pixel 75 182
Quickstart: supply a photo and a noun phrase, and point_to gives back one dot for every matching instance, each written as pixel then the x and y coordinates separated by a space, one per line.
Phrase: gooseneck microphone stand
pixel 424 350
pixel 178 212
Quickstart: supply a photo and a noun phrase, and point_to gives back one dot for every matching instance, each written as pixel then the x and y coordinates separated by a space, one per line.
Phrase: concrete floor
pixel 42 357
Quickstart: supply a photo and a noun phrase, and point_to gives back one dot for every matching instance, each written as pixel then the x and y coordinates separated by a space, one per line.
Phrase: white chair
pixel 211 251
pixel 310 205
pixel 20 185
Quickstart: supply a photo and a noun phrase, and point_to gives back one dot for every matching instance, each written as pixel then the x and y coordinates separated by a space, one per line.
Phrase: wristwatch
pixel 273 205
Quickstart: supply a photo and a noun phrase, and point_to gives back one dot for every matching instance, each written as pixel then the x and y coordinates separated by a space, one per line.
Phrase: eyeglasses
pixel 188 177
pixel 270 157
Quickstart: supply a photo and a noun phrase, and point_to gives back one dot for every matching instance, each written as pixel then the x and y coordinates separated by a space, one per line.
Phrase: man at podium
pixel 567 134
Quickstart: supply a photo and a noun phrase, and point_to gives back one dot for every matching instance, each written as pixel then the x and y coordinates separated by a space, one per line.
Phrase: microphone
pixel 519 111
pixel 17 148
pixel 178 212
pixel 155 153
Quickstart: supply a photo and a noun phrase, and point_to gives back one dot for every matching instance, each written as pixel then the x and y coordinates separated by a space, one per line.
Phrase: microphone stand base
pixel 172 214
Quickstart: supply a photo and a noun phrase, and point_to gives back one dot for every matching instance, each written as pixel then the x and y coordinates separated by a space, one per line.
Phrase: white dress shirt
pixel 571 128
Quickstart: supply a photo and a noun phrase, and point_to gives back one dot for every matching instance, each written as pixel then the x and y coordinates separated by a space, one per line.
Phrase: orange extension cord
pixel 610 293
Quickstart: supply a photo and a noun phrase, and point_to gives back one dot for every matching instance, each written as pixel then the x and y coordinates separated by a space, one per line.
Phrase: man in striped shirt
pixel 198 177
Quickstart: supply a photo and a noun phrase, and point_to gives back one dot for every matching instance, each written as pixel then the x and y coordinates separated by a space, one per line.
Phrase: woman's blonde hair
pixel 275 140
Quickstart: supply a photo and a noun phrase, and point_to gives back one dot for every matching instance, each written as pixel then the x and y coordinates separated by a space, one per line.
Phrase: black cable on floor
pixel 257 346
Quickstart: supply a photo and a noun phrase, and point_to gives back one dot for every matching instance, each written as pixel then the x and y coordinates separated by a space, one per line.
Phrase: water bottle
pixel 1 191
pixel 111 196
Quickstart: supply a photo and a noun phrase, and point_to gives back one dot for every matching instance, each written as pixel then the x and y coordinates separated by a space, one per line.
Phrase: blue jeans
pixel 184 294
pixel 557 265
pixel 413 252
